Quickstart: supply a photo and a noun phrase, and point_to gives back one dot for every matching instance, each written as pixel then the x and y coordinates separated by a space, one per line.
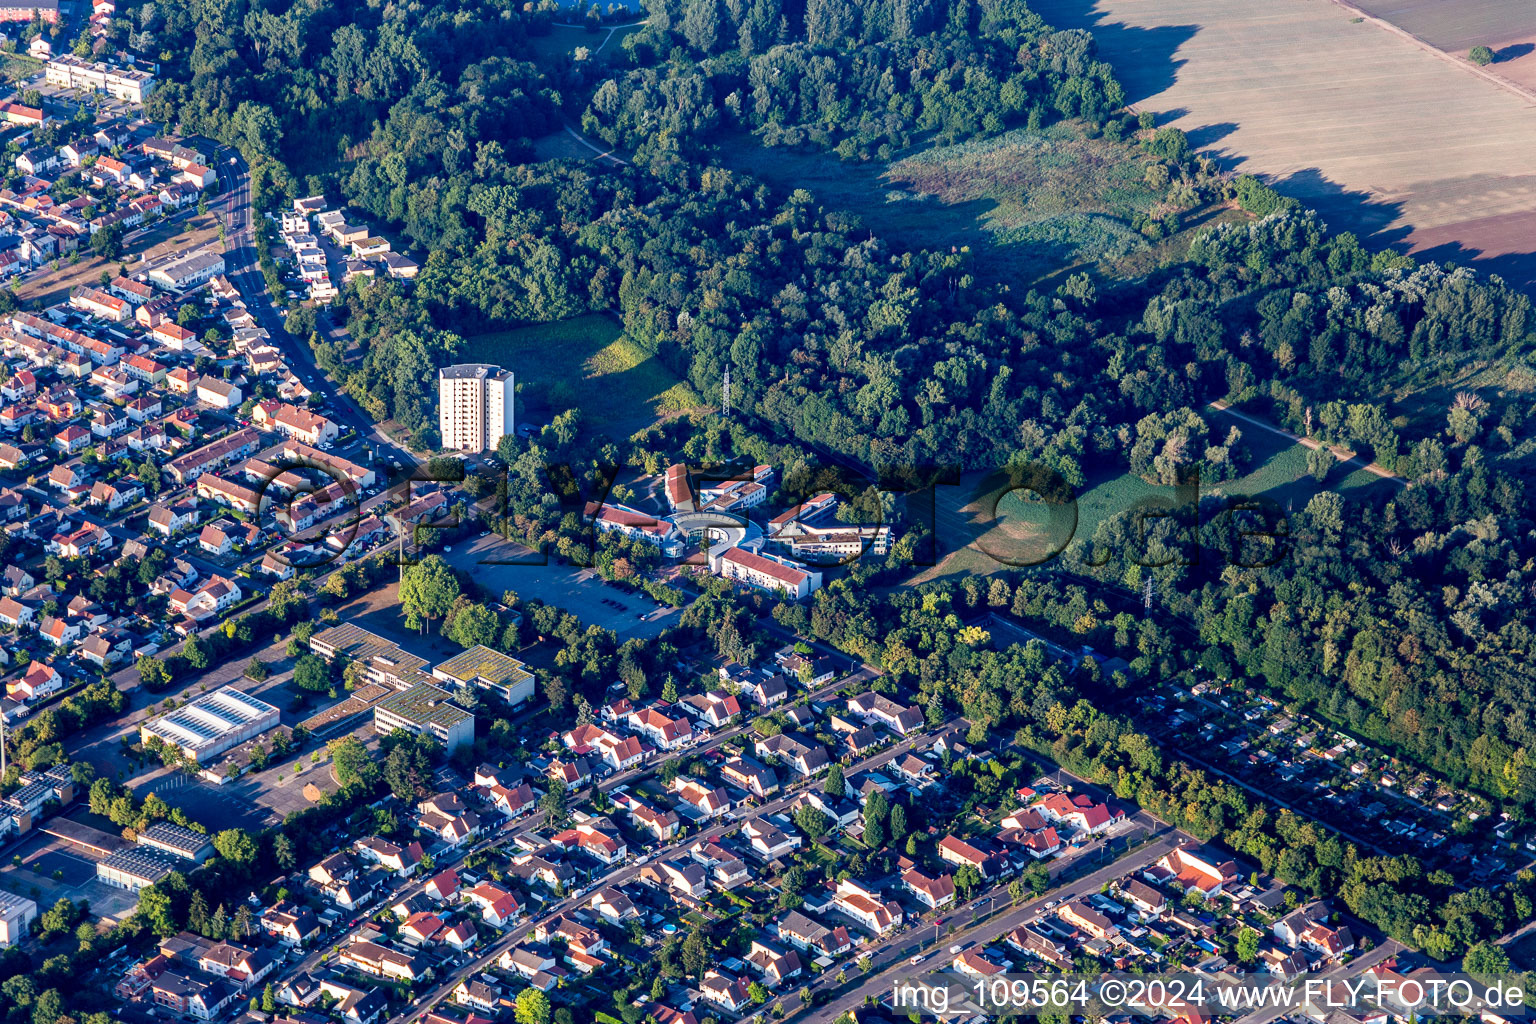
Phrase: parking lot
pixel 579 591
pixel 217 807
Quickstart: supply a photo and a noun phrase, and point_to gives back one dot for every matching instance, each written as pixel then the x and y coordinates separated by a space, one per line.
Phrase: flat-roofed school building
pixel 134 867
pixel 490 670
pixel 212 724
pixel 177 841
pixel 425 708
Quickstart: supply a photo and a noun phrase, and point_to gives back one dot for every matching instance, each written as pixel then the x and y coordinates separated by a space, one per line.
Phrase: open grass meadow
pixel 586 363
pixel 1025 528
pixel 563 40
pixel 1034 205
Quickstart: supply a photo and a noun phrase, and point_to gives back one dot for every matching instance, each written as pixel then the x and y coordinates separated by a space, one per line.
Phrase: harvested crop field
pixel 1507 27
pixel 1387 139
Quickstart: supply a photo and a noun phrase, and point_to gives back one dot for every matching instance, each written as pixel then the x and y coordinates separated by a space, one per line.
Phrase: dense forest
pixel 1406 620
pixel 864 79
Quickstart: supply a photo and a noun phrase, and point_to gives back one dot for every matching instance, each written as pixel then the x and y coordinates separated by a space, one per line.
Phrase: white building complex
pixel 766 572
pixel 188 271
pixel 16 912
pixel 490 670
pixel 476 406
pixel 71 72
pixel 212 724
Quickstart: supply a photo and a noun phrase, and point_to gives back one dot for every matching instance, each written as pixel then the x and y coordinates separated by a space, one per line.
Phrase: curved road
pixel 244 271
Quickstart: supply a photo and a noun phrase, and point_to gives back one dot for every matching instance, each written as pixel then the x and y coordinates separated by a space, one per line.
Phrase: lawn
pixel 1024 529
pixel 562 40
pixel 587 363
pixel 165 238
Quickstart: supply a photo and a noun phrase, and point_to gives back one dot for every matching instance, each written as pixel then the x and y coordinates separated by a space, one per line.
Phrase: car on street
pixel 916 960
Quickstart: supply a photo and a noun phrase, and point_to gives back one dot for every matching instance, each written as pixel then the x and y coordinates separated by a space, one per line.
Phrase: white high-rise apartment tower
pixel 475 406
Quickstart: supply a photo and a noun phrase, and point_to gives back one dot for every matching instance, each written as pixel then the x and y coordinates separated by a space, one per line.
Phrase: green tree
pixel 898 823
pixel 474 624
pixel 835 786
pixel 197 913
pixel 352 762
pixel 1247 946
pixel 48 1008
pixel 553 802
pixel 152 672
pixel 695 954
pixel 812 821
pixel 311 673
pixel 283 853
pixel 428 591
pixel 532 1007
pixel 235 845
pixel 108 242
pixel 875 810
pixel 1481 55
pixel 156 911
pixel 1485 958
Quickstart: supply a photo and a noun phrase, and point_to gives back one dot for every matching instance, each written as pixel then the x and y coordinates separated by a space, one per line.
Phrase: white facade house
pixel 476 406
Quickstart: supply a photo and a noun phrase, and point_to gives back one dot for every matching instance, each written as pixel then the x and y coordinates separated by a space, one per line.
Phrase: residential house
pixel 769 842
pixel 878 708
pixel 931 892
pixel 1190 867
pixel 1080 811
pixel 867 907
pixel 956 851
pixel 803 758
pixel 663 730
pixel 750 775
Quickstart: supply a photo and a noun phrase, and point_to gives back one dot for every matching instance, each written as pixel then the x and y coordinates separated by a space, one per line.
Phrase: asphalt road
pixel 244 271
pixel 890 959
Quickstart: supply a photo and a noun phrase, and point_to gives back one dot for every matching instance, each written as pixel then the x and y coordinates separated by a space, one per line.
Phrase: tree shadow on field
pixel 1209 134
pixel 1376 222
pixel 1369 216
pixel 1143 58
pixel 1513 52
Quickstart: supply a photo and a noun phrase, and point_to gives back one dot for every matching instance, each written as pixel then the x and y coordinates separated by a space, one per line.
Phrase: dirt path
pixel 602 154
pixel 1344 455
pixel 1499 80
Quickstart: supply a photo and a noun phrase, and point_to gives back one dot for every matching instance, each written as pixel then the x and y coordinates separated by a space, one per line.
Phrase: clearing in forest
pixel 587 363
pixel 1024 527
pixel 1033 205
